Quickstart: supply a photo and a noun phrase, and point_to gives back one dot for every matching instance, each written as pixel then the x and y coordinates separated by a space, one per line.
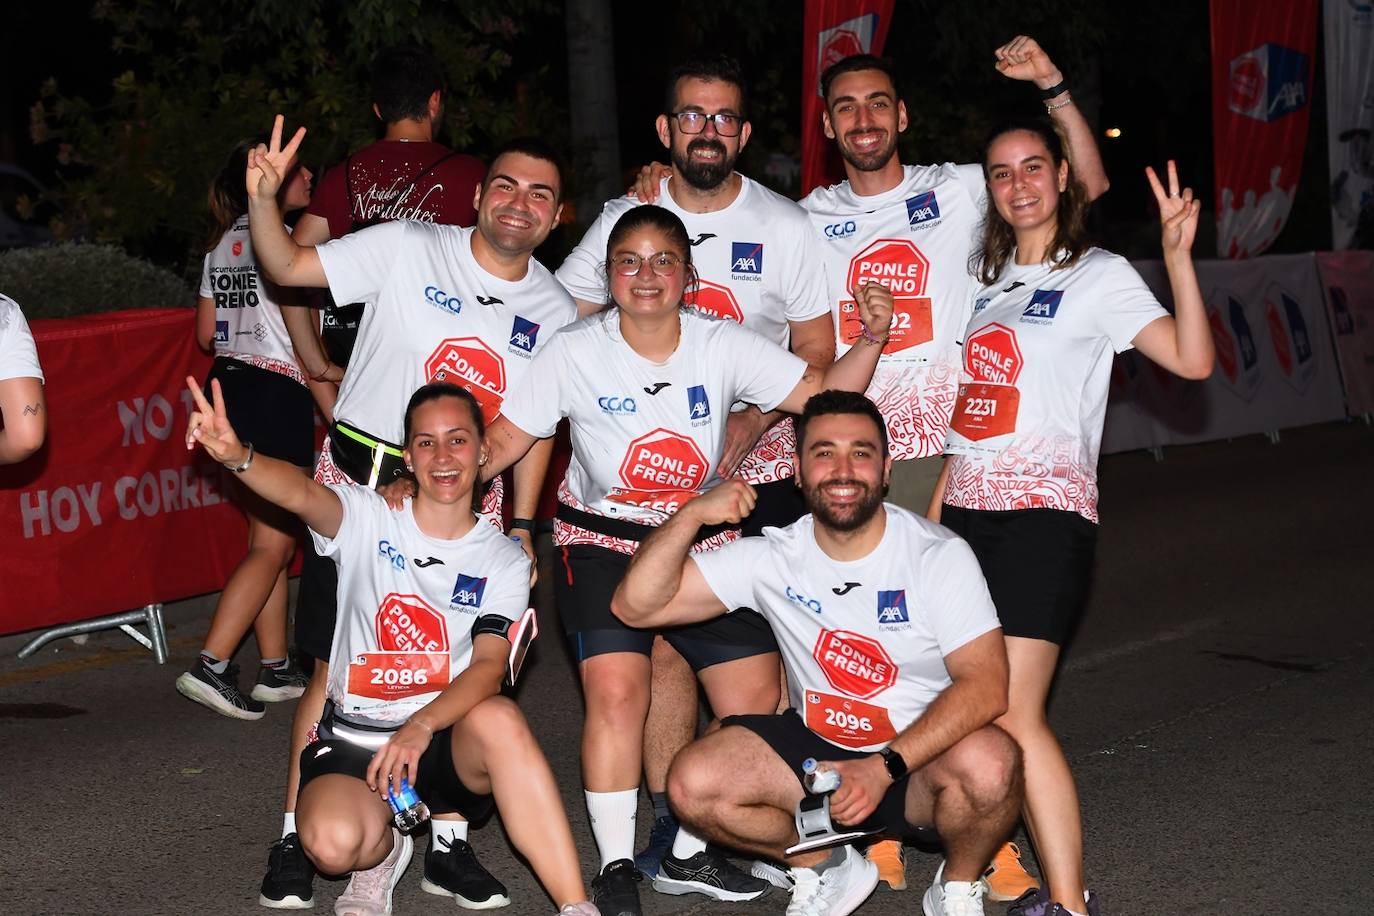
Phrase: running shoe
pixel 219 692
pixel 661 837
pixel 837 891
pixel 890 858
pixel 780 876
pixel 452 870
pixel 1038 903
pixel 585 908
pixel 369 892
pixel 277 684
pixel 710 873
pixel 953 898
pixel 288 884
pixel 1006 878
pixel 614 891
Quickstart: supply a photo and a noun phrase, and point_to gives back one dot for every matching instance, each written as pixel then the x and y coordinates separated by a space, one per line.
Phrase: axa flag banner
pixel 1262 64
pixel 1275 368
pixel 1348 279
pixel 834 30
pixel 1349 28
pixel 114 512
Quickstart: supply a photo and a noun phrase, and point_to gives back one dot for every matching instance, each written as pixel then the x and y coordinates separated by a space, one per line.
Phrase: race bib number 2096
pixel 846 721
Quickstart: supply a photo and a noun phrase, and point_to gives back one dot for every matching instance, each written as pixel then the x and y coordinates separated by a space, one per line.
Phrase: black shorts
pixel 437 783
pixel 268 409
pixel 317 603
pixel 1038 564
pixel 583 588
pixel 780 504
pixel 793 742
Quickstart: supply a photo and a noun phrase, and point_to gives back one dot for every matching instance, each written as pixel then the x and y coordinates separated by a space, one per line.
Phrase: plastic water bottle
pixel 410 811
pixel 818 781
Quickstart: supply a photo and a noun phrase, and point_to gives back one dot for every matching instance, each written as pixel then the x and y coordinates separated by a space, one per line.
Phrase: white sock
pixel 288 823
pixel 687 844
pixel 613 823
pixel 451 831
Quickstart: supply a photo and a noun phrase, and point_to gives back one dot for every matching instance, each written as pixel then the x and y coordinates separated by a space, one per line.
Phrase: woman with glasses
pixel 647 385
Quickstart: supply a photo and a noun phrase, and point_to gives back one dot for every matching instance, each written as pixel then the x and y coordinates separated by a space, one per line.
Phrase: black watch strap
pixel 896 766
pixel 526 524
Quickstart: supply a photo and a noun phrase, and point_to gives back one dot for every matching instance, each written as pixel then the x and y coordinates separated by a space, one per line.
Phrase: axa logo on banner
pixel 469 362
pixel 663 460
pixel 854 664
pixel 715 300
pixel 991 354
pixel 1269 82
pixel 1288 331
pixel 468 591
pixel 405 623
pixel 1235 343
pixel 845 39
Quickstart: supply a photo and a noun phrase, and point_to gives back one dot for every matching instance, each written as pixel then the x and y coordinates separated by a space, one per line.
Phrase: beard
pixel 851 517
pixel 704 176
pixel 870 161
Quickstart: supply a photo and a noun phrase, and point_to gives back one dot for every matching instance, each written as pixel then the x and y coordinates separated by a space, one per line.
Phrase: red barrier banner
pixel 1348 279
pixel 1262 63
pixel 114 513
pixel 833 30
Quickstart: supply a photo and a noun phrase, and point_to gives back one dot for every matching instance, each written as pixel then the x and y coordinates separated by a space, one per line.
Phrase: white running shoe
pixel 369 892
pixel 953 898
pixel 585 908
pixel 837 891
pixel 780 876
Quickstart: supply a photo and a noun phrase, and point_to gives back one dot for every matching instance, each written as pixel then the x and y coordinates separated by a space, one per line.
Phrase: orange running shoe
pixel 1006 877
pixel 890 858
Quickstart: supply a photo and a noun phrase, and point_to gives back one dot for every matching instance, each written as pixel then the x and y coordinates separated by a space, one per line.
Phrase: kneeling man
pixel 895 665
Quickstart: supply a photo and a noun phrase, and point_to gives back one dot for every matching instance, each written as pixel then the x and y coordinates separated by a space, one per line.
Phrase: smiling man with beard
pixel 895 669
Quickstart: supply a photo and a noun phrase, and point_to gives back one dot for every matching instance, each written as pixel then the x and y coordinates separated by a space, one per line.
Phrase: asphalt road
pixel 1215 707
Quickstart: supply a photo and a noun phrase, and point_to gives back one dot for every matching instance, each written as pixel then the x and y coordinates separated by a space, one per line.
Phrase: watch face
pixel 896 766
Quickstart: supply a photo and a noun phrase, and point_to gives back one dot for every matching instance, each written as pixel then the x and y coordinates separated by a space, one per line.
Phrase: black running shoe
pixel 452 870
pixel 615 890
pixel 288 884
pixel 277 684
pixel 710 873
pixel 219 692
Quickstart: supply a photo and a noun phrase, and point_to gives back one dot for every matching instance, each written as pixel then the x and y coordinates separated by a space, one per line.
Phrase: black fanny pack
pixel 626 530
pixel 370 461
pixel 333 726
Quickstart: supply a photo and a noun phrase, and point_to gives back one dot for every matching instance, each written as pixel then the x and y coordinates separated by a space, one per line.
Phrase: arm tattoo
pixel 31 410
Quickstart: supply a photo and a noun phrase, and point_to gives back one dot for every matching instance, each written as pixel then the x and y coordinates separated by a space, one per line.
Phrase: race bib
pixel 665 501
pixel 387 676
pixel 982 411
pixel 911 324
pixel 846 721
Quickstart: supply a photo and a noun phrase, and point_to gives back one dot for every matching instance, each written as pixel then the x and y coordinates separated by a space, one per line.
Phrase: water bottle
pixel 818 781
pixel 410 811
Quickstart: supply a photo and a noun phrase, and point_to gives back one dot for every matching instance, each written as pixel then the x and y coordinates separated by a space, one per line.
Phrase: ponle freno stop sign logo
pixel 663 460
pixel 854 664
pixel 469 362
pixel 405 623
pixel 900 266
pixel 715 300
pixel 991 354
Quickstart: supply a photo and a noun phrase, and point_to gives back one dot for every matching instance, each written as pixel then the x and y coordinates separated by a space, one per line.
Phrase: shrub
pixel 60 281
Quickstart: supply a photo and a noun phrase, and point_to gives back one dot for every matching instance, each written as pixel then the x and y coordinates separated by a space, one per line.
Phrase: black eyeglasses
pixel 694 122
pixel 663 264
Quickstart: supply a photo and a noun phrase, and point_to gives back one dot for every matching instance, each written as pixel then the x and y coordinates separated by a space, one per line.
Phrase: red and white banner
pixel 1348 279
pixel 833 30
pixel 1262 63
pixel 1349 30
pixel 114 513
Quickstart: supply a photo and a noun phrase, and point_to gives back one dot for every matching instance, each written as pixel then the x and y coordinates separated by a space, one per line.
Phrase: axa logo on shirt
pixel 523 334
pixel 841 230
pixel 746 258
pixel 1043 306
pixel 467 591
pixel 616 405
pixel 892 607
pixel 698 405
pixel 390 554
pixel 811 604
pixel 221 332
pixel 923 208
pixel 443 300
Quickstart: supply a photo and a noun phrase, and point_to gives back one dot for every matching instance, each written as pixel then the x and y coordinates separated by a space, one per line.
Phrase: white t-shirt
pixel 863 642
pixel 916 239
pixel 1037 361
pixel 248 322
pixel 18 355
pixel 407 603
pixel 646 437
pixel 759 264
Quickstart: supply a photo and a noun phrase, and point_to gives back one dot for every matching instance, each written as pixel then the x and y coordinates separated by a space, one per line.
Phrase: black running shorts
pixel 268 409
pixel 584 582
pixel 1038 564
pixel 317 603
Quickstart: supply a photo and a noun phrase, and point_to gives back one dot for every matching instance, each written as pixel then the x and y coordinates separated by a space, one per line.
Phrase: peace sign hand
pixel 269 164
pixel 210 427
pixel 1178 213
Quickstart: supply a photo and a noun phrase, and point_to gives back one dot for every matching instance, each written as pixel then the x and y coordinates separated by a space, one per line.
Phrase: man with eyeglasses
pixel 758 262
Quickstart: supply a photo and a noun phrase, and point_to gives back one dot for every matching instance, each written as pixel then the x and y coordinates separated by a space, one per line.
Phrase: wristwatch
pixel 896 766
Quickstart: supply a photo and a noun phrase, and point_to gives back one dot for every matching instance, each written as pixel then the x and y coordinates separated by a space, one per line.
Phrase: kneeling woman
pixel 410 699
